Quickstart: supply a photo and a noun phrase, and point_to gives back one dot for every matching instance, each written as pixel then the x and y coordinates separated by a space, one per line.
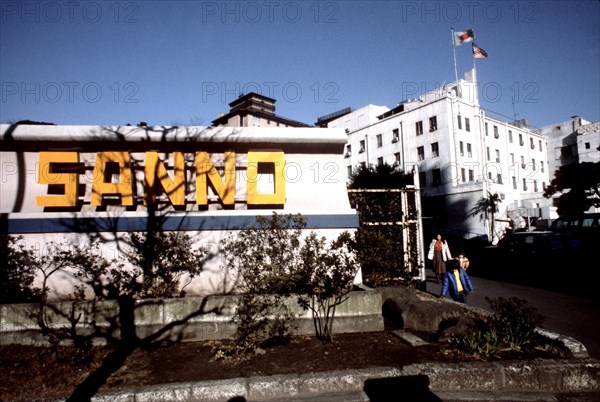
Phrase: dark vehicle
pixel 543 259
pixel 585 223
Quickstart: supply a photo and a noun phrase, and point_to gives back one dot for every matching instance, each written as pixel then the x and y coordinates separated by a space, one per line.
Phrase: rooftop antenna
pixel 515 114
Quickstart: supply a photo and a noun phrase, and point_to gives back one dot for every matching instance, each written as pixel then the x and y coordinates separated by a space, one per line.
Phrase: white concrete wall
pixel 315 186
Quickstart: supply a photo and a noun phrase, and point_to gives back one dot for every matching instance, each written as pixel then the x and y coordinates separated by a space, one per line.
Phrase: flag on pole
pixel 478 53
pixel 462 37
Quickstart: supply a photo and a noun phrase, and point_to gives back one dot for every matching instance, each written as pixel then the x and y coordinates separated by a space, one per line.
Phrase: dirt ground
pixel 30 373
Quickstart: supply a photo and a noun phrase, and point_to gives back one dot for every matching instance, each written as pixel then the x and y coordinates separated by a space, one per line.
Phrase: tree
pixel 17 271
pixel 486 208
pixel 171 255
pixel 375 193
pixel 380 176
pixel 582 180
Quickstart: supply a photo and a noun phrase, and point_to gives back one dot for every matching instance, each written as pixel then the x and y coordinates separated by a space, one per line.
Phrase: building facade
pixel 461 154
pixel 573 141
pixel 254 110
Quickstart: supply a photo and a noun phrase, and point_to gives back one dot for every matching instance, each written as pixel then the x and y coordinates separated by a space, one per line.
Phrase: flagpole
pixel 458 88
pixel 454 53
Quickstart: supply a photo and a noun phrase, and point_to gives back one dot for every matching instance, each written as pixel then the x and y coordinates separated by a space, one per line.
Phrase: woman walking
pixel 439 252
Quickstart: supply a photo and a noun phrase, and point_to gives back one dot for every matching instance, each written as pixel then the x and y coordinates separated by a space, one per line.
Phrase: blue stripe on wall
pixel 181 223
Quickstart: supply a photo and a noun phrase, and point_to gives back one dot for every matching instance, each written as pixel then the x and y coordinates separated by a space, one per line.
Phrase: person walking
pixel 439 253
pixel 456 281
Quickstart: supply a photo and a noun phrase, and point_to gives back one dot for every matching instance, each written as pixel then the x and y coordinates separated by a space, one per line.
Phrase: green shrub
pixel 274 263
pixel 328 273
pixel 18 267
pixel 265 259
pixel 511 327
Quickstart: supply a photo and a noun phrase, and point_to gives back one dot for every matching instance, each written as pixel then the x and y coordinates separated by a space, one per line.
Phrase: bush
pixel 328 273
pixel 266 260
pixel 273 262
pixel 17 271
pixel 511 327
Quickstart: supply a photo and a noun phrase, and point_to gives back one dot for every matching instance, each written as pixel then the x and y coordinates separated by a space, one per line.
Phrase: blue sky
pixel 182 62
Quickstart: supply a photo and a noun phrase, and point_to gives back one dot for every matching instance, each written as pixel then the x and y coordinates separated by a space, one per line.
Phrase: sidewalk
pixel 538 380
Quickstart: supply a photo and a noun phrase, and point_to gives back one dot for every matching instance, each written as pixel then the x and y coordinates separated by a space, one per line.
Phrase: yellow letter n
pixel 155 169
pixel 206 172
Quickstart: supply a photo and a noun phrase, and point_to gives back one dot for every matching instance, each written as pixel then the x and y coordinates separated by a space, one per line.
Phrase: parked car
pixel 532 255
pixel 585 223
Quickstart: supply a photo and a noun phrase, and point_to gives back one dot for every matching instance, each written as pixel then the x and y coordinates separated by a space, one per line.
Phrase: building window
pixel 463 175
pixel 467 125
pixel 469 153
pixel 514 181
pixel 535 186
pixel 542 166
pixel 587 145
pixel 380 160
pixel 362 146
pixel 379 140
pixel 499 179
pixel 395 135
pixel 471 175
pixel 531 143
pixel 421 153
pixel 524 184
pixel 512 159
pixel 435 151
pixel 348 150
pixel 397 158
pixel 436 177
pixel 349 171
pixel 419 127
pixel 540 145
pixel 533 163
pixel 498 155
pixel 461 147
pixel 423 179
pixel 496 133
pixel 510 136
pixel 487 153
pixel 522 161
pixel 459 121
pixel 432 123
pixel 486 129
pixel 521 143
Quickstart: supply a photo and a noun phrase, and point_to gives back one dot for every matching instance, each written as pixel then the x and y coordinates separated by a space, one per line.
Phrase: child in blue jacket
pixel 456 281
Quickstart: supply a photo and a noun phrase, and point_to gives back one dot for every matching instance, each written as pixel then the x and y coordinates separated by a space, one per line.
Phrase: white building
pixel 461 154
pixel 572 141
